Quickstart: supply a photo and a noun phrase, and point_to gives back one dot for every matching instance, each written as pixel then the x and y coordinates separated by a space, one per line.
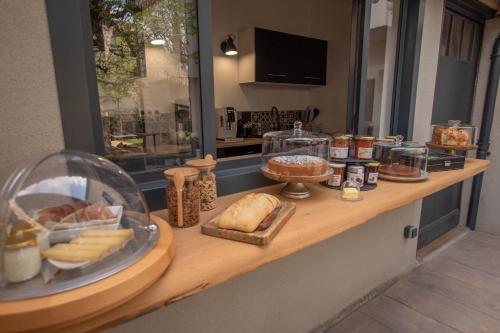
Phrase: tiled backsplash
pixel 269 121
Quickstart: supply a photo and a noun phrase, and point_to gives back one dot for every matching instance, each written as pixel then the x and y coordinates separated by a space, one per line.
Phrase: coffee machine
pixel 227 124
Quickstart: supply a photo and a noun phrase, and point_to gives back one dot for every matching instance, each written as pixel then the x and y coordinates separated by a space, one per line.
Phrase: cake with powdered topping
pixel 298 165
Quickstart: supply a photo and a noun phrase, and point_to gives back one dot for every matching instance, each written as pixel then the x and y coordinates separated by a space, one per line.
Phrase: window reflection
pixel 381 62
pixel 146 56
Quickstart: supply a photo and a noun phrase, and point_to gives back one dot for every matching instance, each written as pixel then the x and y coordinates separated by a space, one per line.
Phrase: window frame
pixel 71 40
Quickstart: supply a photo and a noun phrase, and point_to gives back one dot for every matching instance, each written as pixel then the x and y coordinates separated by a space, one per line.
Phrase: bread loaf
pixel 247 213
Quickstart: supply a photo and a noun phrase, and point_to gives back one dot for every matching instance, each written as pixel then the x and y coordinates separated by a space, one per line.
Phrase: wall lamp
pixel 227 46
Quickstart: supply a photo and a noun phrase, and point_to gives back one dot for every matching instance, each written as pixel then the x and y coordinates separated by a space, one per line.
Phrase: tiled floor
pixel 456 291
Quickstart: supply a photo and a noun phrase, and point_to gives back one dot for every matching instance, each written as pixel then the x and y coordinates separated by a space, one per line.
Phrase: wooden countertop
pixel 202 261
pixel 245 142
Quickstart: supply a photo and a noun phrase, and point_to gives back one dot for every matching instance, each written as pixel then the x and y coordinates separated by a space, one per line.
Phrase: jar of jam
pixel 337 177
pixel 371 173
pixel 207 181
pixel 356 173
pixel 340 147
pixel 363 147
pixel 183 197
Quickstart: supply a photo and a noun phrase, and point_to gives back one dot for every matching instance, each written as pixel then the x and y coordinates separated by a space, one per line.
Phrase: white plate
pixel 423 176
pixel 58 236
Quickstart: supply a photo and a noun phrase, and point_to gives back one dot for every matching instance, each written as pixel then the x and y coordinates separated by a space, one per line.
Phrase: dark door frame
pixel 411 21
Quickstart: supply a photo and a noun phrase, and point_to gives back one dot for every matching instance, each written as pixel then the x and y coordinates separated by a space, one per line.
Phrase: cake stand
pixel 295 187
pixel 452 150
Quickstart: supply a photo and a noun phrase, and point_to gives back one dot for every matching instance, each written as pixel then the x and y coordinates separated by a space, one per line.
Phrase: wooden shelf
pixel 202 261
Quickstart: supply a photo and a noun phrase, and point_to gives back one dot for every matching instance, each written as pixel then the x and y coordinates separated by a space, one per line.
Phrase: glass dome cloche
pixel 69 219
pixel 296 157
pixel 401 160
pixel 453 133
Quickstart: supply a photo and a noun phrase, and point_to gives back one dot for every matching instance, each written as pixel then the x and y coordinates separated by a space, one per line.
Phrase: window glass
pixel 277 62
pixel 146 56
pixel 380 70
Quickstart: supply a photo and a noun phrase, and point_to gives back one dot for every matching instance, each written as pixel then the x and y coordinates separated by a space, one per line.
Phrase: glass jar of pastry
pixel 207 181
pixel 183 197
pixel 363 147
pixel 453 133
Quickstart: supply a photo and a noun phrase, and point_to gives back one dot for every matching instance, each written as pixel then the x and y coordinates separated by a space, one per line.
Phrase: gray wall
pixel 297 293
pixel 30 121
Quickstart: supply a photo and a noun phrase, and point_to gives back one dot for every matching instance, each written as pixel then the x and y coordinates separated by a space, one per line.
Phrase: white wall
pixel 299 292
pixel 30 121
pixel 325 19
pixel 488 219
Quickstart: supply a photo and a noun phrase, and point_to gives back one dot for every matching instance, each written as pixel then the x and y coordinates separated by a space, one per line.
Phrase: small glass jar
pixel 356 173
pixel 363 147
pixel 340 147
pixel 337 177
pixel 183 200
pixel 21 258
pixel 207 181
pixel 350 191
pixel 371 173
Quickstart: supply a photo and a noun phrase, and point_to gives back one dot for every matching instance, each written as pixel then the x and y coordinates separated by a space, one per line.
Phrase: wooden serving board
pixel 257 237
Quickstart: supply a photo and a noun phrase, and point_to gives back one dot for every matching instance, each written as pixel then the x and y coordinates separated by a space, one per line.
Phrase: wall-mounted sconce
pixel 227 46
pixel 157 42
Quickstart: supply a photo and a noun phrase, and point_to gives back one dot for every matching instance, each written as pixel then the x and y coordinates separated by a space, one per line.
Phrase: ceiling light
pixel 157 42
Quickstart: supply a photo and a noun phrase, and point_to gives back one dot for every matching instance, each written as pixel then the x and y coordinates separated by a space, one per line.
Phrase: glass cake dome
pixel 296 157
pixel 297 147
pixel 401 160
pixel 69 219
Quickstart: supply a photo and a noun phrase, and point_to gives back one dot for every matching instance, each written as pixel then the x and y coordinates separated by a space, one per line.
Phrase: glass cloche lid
pixel 297 134
pixel 295 142
pixel 66 220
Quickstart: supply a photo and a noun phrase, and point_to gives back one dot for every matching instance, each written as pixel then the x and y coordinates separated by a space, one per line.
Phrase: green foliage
pixel 122 27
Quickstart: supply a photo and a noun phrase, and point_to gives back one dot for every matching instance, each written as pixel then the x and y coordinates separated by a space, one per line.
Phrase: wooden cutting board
pixel 257 237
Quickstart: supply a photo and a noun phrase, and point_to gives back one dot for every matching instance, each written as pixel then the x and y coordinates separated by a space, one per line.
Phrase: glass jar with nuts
pixel 207 181
pixel 183 197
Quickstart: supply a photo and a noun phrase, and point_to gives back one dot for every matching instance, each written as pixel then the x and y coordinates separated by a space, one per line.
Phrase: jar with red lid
pixel 363 147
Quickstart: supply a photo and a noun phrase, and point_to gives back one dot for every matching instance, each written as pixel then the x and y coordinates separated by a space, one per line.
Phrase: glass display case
pixel 454 134
pixel 401 160
pixel 67 220
pixel 296 157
